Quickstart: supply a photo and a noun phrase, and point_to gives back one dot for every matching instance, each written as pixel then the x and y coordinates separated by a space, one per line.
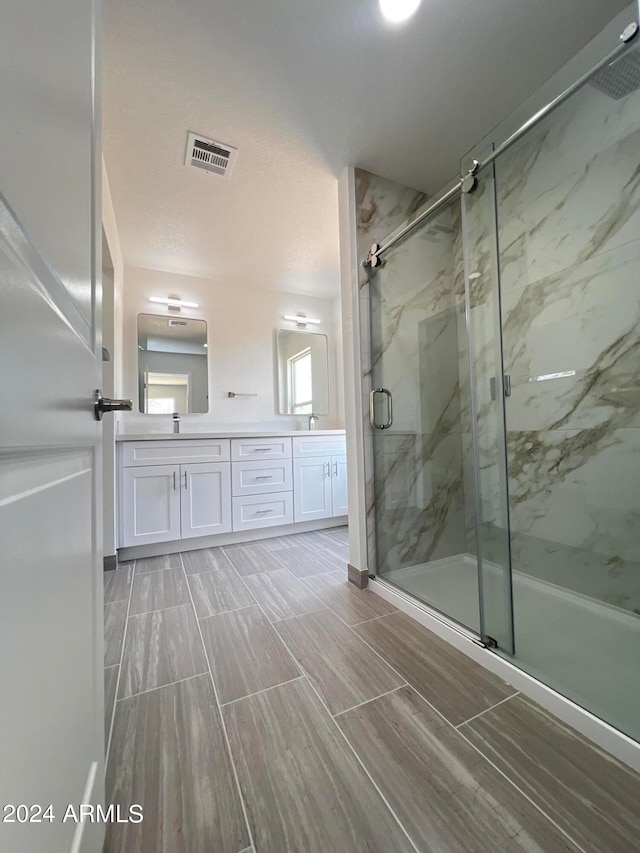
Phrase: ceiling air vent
pixel 209 155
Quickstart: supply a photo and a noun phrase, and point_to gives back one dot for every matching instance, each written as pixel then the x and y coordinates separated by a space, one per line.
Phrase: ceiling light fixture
pixel 173 302
pixel 302 319
pixel 396 11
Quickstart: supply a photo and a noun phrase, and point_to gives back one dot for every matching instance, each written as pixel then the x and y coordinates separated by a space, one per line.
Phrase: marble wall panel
pixel 569 221
pixel 410 305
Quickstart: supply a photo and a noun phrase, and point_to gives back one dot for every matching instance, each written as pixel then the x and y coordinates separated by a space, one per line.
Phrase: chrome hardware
pixel 174 481
pixel 469 182
pixel 233 394
pixel 372 411
pixel 335 469
pixel 104 404
pixel 263 511
pixel 506 386
pixel 185 480
pixel 312 421
pixel 629 32
pixel 372 260
pixel 265 477
pixel 328 474
pixel 176 423
pixel 262 449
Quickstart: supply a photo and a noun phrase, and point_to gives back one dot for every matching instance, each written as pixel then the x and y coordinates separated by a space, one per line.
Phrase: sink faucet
pixel 176 422
pixel 313 420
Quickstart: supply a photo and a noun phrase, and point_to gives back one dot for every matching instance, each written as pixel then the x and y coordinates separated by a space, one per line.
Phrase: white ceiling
pixel 303 88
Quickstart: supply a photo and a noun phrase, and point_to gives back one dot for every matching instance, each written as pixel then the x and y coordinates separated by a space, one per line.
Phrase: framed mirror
pixel 172 365
pixel 303 373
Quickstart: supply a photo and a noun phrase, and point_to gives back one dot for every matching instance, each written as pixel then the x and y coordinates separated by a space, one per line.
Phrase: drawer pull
pixel 262 449
pixel 265 477
pixel 263 511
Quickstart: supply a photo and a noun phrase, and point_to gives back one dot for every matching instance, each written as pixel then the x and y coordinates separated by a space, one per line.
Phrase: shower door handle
pixel 372 412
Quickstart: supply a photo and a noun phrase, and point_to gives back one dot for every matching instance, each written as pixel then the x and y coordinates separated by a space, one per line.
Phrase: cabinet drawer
pixel 330 445
pixel 255 478
pixel 244 449
pixel 175 452
pixel 251 511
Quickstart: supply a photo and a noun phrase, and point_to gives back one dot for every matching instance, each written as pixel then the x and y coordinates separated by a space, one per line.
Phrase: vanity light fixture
pixel 173 302
pixel 396 11
pixel 302 320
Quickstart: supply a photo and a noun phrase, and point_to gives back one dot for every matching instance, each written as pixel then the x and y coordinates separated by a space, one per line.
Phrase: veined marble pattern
pixel 413 310
pixel 382 206
pixel 569 219
pixel 567 178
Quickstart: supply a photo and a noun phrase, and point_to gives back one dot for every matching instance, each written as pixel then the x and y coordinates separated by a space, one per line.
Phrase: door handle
pixel 372 411
pixel 174 481
pixel 328 472
pixel 185 480
pixel 335 469
pixel 104 404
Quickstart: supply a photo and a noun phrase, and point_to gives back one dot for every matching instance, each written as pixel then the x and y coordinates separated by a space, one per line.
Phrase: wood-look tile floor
pixel 257 703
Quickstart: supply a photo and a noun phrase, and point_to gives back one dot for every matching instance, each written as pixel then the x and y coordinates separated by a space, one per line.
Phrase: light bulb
pixel 396 11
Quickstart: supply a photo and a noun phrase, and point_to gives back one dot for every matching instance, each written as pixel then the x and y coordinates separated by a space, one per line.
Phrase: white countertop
pixel 162 436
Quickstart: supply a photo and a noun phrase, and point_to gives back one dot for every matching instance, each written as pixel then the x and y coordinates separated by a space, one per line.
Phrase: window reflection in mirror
pixel 172 365
pixel 303 374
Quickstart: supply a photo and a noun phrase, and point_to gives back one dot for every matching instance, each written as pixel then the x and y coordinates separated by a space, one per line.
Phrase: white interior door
pixel 51 714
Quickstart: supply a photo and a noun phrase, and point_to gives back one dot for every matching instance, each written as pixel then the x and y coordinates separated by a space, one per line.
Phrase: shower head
pixel 621 78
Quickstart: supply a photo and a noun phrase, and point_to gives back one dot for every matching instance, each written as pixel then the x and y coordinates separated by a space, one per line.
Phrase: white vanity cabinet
pixel 186 488
pixel 182 496
pixel 149 504
pixel 262 482
pixel 205 499
pixel 320 478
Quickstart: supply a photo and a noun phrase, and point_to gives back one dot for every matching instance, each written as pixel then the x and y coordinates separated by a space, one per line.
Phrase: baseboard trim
pixel 158 549
pixel 110 563
pixel 358 577
pixel 596 730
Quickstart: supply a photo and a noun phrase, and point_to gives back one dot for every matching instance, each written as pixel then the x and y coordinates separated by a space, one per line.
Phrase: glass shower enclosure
pixel 505 401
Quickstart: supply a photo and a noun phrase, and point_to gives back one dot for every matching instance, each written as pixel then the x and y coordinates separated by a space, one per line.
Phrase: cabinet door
pixel 150 504
pixel 205 490
pixel 312 488
pixel 339 484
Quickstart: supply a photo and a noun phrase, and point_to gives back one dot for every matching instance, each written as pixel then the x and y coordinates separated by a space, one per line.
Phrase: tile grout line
pixel 245 813
pixel 373 618
pixel 107 754
pixel 375 699
pixel 306 576
pixel 158 609
pixel 486 710
pixel 339 730
pixel 222 612
pixel 259 692
pixel 157 571
pixel 479 751
pixel 161 686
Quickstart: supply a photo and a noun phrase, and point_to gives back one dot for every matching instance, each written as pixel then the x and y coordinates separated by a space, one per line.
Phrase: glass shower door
pixel 424 498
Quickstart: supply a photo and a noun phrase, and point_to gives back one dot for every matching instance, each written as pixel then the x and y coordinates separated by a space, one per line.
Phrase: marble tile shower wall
pixel 382 206
pixel 568 227
pixel 416 311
